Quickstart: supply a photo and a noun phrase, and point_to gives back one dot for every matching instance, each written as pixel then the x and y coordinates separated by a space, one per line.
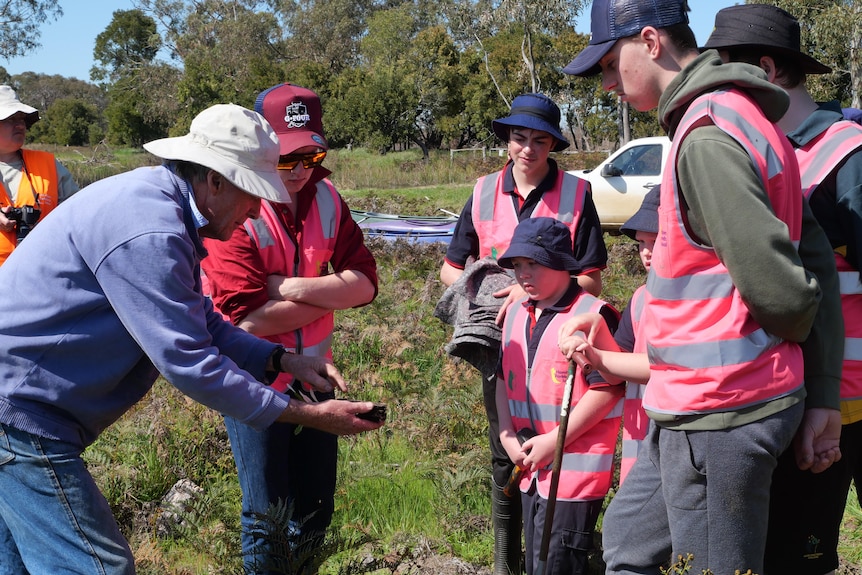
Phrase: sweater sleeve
pixel 729 210
pixel 157 299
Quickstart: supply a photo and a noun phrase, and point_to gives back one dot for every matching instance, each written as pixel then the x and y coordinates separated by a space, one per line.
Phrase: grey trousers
pixel 704 493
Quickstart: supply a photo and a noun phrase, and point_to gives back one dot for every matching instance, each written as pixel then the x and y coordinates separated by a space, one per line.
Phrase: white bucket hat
pixel 10 104
pixel 235 142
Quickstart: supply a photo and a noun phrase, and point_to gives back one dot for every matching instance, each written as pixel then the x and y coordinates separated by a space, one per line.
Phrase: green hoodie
pixel 792 293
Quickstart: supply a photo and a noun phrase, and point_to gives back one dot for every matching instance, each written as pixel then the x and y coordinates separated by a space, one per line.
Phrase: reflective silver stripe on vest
pixel 630 448
pixel 849 283
pixel 853 349
pixel 691 287
pixel 714 353
pixel 258 229
pixel 752 136
pixel 548 412
pixel 321 349
pixel 487 197
pixel 586 462
pixel 568 193
pixel 327 210
pixel 829 151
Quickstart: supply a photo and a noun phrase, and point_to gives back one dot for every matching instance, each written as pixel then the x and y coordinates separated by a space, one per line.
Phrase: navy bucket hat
pixel 533 111
pixel 546 241
pixel 765 27
pixel 646 218
pixel 612 20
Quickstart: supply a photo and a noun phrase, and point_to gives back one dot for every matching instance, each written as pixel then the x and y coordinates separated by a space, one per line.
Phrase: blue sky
pixel 67 44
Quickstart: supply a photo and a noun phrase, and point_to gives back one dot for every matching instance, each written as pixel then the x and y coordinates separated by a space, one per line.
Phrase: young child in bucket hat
pixel 530 392
pixel 529 185
pixel 725 365
pixel 804 506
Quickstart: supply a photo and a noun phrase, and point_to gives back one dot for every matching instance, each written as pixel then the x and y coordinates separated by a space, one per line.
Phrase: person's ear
pixel 215 180
pixel 767 64
pixel 650 36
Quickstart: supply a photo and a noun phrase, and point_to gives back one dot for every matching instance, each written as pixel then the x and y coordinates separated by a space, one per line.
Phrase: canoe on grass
pixel 413 228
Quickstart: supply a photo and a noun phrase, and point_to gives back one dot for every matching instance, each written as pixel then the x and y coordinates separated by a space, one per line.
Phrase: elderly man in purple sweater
pixel 105 295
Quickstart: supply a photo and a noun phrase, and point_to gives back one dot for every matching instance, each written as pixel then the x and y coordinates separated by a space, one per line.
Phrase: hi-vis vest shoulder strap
pixel 283 256
pixel 535 395
pixel 40 177
pixel 495 217
pixel 707 353
pixel 817 160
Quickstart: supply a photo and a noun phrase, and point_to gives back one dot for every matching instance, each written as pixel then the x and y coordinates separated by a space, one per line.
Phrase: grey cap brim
pixel 587 62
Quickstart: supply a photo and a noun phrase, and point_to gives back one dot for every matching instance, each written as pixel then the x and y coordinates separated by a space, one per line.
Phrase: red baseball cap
pixel 295 115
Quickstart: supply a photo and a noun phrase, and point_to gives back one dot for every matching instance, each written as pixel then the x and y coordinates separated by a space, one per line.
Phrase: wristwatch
pixel 276 356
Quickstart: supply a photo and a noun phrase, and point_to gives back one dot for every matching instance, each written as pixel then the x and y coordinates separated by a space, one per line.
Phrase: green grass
pixel 421 482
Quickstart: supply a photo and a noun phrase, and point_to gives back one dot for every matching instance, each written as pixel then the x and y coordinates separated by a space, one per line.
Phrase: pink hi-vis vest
pixel 495 216
pixel 282 256
pixel 635 420
pixel 707 353
pixel 535 395
pixel 40 177
pixel 819 158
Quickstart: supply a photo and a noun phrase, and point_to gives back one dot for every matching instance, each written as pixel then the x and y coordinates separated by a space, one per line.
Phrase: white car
pixel 621 181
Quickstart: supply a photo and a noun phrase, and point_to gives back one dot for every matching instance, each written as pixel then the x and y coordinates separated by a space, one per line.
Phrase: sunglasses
pixel 290 161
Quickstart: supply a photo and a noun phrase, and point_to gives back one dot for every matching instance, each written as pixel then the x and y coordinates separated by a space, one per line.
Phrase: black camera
pixel 25 218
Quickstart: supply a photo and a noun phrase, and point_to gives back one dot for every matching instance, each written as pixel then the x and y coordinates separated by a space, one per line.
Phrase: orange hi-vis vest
pixel 495 217
pixel 707 353
pixel 283 256
pixel 38 177
pixel 819 158
pixel 635 420
pixel 535 395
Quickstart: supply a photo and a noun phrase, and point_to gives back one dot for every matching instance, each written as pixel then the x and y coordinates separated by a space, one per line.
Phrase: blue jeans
pixel 699 492
pixel 279 465
pixel 53 519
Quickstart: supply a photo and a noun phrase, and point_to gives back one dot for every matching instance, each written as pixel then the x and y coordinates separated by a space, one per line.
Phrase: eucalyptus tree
pixel 20 22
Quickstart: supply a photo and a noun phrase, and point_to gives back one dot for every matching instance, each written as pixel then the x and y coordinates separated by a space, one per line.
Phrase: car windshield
pixel 640 161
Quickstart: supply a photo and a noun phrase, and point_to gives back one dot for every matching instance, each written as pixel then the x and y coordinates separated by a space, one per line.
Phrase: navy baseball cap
pixel 611 20
pixel 533 111
pixel 546 241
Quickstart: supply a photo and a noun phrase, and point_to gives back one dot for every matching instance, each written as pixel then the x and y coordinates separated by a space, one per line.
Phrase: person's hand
pixel 589 323
pixel 319 372
pixel 6 224
pixel 512 293
pixel 540 450
pixel 816 444
pixel 576 342
pixel 335 416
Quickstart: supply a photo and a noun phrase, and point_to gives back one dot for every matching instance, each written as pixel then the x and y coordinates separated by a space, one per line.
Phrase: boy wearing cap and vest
pixel 529 185
pixel 281 276
pixel 806 509
pixel 530 389
pixel 32 182
pixel 613 354
pixel 742 279
pixel 108 296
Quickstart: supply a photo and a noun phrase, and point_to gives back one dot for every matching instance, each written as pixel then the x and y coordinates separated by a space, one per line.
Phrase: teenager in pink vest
pixel 530 389
pixel 281 277
pixel 529 185
pixel 740 277
pixel 807 509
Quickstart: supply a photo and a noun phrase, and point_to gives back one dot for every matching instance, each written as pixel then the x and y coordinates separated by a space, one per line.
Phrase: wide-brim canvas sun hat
pixel 235 142
pixel 762 26
pixel 535 112
pixel 547 241
pixel 612 20
pixel 10 105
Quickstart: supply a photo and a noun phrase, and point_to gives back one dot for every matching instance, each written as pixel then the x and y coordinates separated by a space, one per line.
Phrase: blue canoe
pixel 411 228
